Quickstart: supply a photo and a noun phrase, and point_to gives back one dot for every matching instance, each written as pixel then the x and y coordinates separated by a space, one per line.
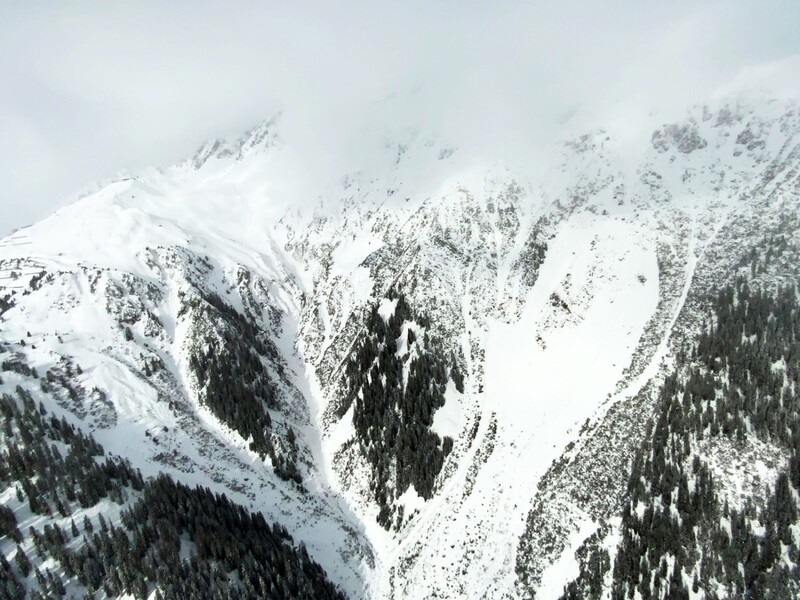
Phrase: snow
pixel 347 259
pixel 744 470
pixel 529 380
pixel 553 368
pixel 362 282
pixel 566 568
pixel 386 308
pixel 189 443
pixel 411 501
pixel 605 271
pixel 402 345
pixel 540 360
pixel 350 253
pixel 545 374
pixel 342 431
pixel 448 420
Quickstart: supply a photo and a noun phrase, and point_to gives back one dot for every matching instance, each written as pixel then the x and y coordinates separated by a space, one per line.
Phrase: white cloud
pixel 90 88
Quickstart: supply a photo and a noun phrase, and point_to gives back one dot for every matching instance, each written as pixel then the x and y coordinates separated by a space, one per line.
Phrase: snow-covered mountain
pixel 437 374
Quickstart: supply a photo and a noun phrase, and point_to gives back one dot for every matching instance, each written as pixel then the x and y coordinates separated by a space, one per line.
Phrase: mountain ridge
pixel 599 263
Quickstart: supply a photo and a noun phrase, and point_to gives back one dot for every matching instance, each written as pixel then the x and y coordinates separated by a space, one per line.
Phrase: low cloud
pixel 91 88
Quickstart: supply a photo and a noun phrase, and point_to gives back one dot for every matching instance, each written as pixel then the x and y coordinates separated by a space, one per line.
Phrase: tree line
pixel 394 398
pixel 739 379
pixel 179 541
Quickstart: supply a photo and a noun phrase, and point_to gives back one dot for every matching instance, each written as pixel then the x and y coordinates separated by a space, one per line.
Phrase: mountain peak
pixel 444 376
pixel 255 140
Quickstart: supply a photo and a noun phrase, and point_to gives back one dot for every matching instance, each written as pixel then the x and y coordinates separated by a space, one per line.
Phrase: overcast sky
pixel 90 88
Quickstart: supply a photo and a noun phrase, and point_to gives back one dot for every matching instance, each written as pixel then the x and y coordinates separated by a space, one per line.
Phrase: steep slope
pixel 437 373
pixel 173 346
pixel 182 541
pixel 761 223
pixel 563 313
